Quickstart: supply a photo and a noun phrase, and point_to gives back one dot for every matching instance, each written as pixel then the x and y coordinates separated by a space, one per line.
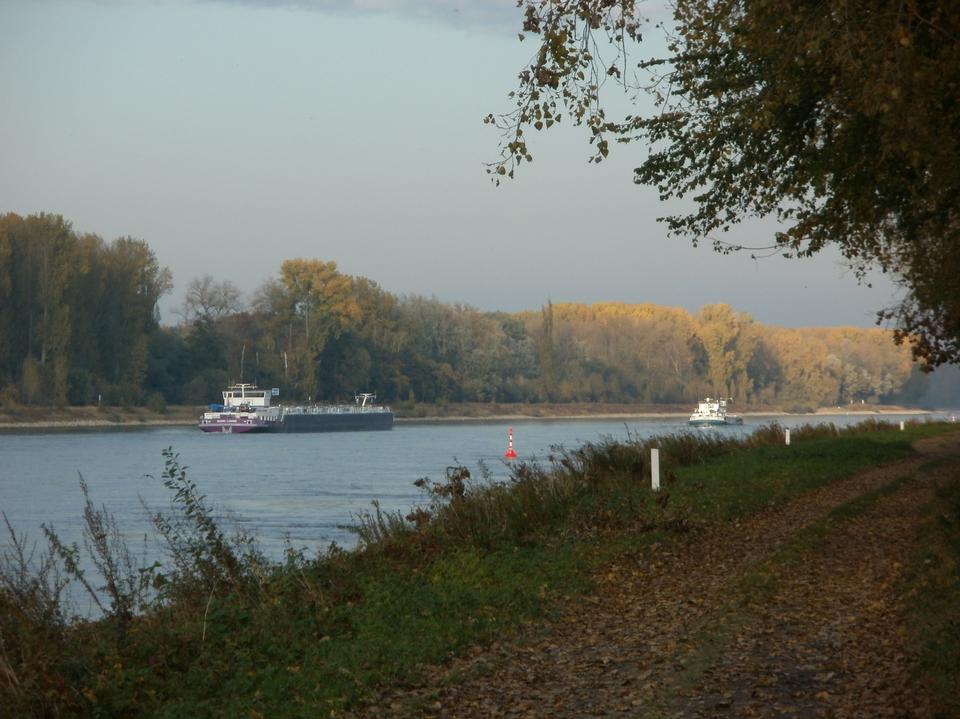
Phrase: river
pixel 305 488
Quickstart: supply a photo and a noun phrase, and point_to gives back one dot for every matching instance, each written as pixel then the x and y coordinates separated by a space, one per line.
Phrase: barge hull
pixel 333 422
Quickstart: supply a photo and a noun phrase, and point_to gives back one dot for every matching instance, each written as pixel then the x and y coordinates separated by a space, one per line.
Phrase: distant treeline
pixel 77 314
pixel 78 322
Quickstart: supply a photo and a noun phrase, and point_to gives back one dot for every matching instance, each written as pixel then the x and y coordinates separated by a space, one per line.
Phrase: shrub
pixel 79 387
pixel 205 387
pixel 122 394
pixel 205 559
pixel 156 403
pixel 9 396
pixel 31 381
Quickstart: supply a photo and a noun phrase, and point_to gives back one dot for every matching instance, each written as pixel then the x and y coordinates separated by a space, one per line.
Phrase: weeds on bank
pixel 221 631
pixel 606 486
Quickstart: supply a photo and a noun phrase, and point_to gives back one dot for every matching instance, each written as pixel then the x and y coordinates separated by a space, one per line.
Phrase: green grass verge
pixel 748 481
pixel 934 599
pixel 294 659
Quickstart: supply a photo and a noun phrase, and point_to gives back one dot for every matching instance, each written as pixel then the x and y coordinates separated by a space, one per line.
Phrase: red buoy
pixel 510 453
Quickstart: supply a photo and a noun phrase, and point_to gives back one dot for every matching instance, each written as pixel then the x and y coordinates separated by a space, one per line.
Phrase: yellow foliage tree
pixel 729 339
pixel 323 301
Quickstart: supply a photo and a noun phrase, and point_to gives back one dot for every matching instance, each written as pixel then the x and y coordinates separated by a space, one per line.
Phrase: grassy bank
pixel 220 631
pixel 934 607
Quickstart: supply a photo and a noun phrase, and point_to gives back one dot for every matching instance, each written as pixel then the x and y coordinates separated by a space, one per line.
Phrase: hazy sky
pixel 233 135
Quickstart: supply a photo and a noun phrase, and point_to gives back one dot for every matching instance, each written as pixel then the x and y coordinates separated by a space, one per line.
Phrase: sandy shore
pixel 829 412
pixel 94 424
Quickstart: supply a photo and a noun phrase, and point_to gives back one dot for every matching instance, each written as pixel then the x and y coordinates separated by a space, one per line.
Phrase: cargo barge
pixel 247 409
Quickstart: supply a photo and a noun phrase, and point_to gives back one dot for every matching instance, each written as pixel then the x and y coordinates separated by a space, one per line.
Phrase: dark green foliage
pixel 169 366
pixel 122 394
pixel 75 312
pixel 79 386
pixel 934 610
pixel 205 387
pixel 204 347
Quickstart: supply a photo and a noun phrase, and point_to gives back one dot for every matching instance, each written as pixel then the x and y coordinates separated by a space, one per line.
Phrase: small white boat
pixel 713 413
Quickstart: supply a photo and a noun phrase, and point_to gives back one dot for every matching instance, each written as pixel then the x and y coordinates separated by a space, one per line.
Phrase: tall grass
pixel 596 486
pixel 933 613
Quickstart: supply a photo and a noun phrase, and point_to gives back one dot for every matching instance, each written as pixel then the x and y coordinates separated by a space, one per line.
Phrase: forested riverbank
pixel 79 318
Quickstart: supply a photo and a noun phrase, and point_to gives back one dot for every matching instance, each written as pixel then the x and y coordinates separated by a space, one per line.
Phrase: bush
pixel 31 382
pixel 9 396
pixel 156 403
pixel 206 387
pixel 79 387
pixel 123 394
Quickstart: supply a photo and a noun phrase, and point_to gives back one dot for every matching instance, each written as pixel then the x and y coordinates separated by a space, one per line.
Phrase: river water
pixel 304 488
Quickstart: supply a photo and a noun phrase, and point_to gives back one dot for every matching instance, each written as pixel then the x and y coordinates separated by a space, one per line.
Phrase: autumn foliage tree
pixel 78 319
pixel 841 120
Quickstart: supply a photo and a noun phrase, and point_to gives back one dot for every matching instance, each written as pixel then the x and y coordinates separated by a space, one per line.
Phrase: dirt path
pixel 793 612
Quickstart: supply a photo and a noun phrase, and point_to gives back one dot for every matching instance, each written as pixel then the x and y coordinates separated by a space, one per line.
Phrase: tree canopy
pixel 78 324
pixel 840 119
pixel 74 308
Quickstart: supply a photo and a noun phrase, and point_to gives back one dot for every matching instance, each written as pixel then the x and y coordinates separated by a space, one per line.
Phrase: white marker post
pixel 655 469
pixel 786 436
pixel 901 425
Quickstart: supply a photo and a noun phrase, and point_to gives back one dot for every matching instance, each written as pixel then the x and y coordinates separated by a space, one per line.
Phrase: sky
pixel 231 135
